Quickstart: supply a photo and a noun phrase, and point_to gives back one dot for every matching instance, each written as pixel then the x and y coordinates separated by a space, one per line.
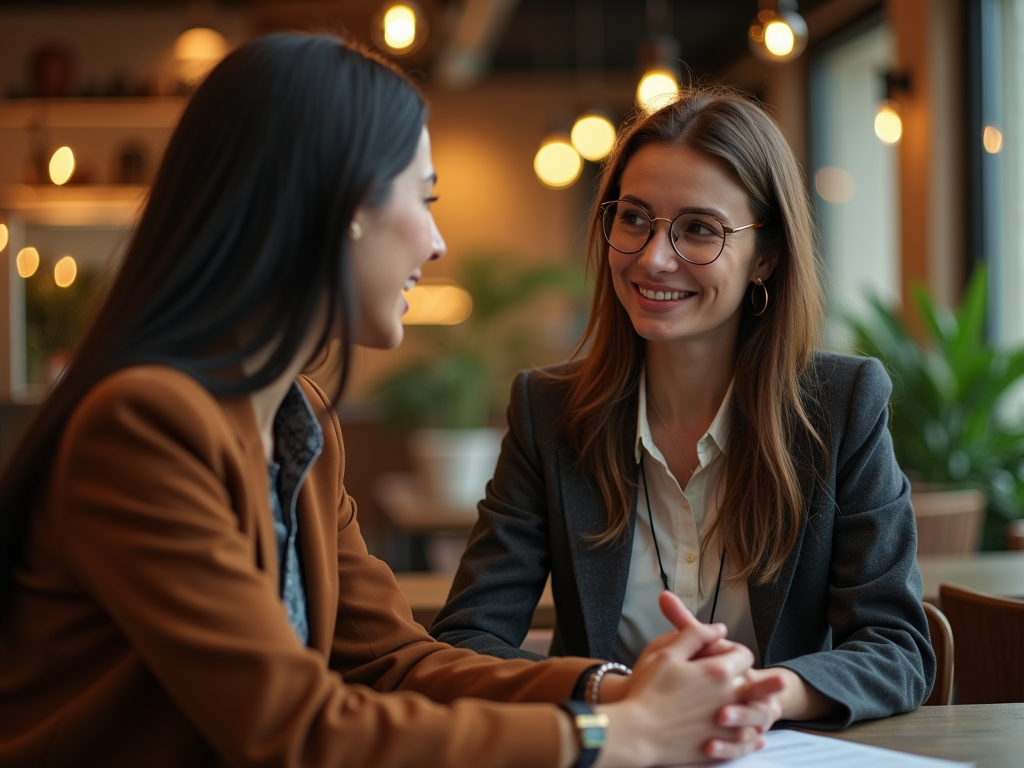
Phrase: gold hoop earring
pixel 753 303
pixel 355 230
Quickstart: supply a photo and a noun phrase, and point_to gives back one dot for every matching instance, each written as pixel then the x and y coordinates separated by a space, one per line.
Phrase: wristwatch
pixel 590 728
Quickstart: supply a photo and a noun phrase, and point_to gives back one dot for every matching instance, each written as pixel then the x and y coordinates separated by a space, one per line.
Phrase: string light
pixel 62 165
pixel 4 236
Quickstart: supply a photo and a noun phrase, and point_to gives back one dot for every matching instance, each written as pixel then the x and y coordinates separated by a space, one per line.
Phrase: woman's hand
pixel 688 698
pixel 796 699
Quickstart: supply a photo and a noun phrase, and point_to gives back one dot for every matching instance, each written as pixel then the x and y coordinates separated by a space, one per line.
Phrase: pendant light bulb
pixel 778 35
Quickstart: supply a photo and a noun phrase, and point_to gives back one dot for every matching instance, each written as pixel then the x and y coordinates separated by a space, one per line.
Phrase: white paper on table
pixel 793 749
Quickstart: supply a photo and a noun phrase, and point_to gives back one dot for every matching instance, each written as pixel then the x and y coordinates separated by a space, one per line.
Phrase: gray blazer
pixel 845 612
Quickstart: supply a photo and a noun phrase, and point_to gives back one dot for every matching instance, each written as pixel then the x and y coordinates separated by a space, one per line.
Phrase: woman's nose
pixel 438 245
pixel 659 254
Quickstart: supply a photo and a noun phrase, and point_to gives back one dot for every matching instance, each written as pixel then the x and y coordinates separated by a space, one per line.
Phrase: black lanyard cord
pixel 657 550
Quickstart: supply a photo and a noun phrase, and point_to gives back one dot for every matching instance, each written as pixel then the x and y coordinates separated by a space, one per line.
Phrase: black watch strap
pixel 590 729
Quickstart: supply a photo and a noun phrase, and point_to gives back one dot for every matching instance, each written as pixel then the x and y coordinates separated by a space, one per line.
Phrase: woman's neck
pixel 688 382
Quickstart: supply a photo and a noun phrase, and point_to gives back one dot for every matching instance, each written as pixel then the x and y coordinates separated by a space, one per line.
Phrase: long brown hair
pixel 759 514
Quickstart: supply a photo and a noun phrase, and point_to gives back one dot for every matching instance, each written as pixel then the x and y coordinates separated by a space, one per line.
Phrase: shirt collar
pixel 711 443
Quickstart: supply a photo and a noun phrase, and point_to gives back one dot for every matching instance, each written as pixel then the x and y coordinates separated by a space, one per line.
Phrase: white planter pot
pixel 454 465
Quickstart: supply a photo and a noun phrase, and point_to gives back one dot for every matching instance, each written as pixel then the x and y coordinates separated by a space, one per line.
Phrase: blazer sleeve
pixel 507 561
pixel 149 529
pixel 882 661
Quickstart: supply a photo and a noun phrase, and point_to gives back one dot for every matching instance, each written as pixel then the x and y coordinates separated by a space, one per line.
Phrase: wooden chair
pixel 942 644
pixel 1015 535
pixel 948 522
pixel 989 634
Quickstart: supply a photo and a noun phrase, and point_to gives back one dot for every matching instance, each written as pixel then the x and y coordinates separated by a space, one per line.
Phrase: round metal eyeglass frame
pixel 726 230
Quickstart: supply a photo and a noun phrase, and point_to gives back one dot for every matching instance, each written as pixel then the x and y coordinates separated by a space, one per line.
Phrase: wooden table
pixel 427 593
pixel 990 735
pixel 997 573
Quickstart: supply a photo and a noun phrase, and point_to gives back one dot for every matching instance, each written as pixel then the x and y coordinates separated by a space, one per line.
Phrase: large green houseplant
pixel 949 386
pixel 450 394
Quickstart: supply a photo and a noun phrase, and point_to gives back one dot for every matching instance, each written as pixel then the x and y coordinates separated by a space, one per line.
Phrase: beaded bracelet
pixel 595 681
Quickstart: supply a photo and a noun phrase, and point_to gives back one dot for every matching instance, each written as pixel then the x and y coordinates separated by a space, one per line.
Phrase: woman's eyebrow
pixel 718 214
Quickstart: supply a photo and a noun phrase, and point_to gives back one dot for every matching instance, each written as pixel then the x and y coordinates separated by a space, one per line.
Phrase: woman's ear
pixel 764 266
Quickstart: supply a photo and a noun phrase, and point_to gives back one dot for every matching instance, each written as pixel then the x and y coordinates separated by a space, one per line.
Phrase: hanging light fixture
pixel 400 28
pixel 197 51
pixel 62 166
pixel 888 121
pixel 778 33
pixel 557 163
pixel 593 136
pixel 659 85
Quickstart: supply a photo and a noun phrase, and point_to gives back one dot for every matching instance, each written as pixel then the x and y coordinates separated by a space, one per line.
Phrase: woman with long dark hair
pixel 703 445
pixel 182 578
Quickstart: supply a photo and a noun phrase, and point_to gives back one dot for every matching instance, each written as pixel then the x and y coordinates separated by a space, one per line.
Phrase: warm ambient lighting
pixel 593 137
pixel 779 38
pixel 197 50
pixel 27 261
pixel 399 27
pixel 62 165
pixel 991 139
pixel 4 236
pixel 557 164
pixel 888 123
pixel 778 35
pixel 657 89
pixel 65 271
pixel 437 302
pixel 834 185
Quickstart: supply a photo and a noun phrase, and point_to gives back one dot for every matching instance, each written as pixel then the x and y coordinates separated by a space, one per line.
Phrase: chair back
pixel 1015 535
pixel 942 644
pixel 948 521
pixel 989 634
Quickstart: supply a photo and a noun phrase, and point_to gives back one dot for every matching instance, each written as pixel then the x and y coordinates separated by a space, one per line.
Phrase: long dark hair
pixel 244 236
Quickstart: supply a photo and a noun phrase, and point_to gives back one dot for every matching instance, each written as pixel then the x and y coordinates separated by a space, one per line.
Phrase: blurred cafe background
pixel 905 114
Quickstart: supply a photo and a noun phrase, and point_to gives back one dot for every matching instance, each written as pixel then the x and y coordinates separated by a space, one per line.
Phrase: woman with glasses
pixel 182 578
pixel 701 445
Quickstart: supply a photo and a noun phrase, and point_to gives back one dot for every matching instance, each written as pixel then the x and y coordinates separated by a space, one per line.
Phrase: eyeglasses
pixel 698 238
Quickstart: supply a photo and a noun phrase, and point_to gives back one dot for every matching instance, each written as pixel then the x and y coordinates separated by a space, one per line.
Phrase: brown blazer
pixel 146 627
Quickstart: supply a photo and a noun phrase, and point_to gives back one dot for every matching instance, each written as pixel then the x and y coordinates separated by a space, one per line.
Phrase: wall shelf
pixel 91 113
pixel 74 205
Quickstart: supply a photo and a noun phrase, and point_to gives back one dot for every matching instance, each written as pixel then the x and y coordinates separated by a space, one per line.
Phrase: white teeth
pixel 409 285
pixel 661 295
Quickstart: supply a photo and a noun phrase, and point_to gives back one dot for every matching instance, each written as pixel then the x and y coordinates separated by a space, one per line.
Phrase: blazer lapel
pixel 600 572
pixel 767 601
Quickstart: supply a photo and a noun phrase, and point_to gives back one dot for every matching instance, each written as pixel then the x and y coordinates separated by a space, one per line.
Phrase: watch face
pixel 592 730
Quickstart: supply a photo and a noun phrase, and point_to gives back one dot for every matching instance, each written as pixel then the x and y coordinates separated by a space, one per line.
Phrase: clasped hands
pixel 692 695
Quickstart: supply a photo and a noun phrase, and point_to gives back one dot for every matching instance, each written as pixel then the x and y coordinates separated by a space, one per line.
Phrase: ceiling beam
pixel 466 57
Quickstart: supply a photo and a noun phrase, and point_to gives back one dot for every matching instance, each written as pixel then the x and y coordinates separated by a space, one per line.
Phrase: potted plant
pixel 949 386
pixel 450 395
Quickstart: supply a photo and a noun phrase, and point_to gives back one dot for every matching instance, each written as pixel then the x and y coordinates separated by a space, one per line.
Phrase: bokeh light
pixel 593 136
pixel 62 165
pixel 557 164
pixel 657 89
pixel 65 271
pixel 399 27
pixel 437 303
pixel 888 124
pixel 27 261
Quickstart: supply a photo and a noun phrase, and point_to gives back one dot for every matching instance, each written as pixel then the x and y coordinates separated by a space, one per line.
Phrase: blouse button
pixel 690 557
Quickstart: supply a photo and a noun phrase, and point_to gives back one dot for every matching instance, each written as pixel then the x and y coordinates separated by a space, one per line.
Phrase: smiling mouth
pixel 663 295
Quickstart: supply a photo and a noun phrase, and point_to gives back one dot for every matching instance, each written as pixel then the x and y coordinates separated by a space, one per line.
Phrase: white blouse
pixel 681 519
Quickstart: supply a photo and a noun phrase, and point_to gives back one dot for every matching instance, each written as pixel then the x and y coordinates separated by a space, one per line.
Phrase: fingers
pixel 760 716
pixel 721 749
pixel 675 611
pixel 762 686
pixel 730 664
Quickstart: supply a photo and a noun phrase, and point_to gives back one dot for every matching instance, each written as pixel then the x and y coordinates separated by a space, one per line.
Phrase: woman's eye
pixel 632 219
